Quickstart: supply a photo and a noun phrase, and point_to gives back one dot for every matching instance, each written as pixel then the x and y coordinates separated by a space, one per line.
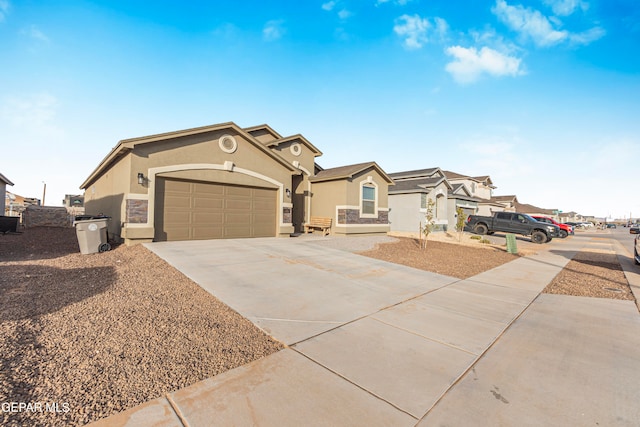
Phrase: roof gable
pixel 418 173
pixel 127 145
pixel 423 185
pixel 263 133
pixel 296 138
pixel 348 171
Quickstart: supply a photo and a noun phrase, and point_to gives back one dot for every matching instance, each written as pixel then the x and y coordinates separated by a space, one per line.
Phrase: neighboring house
pixel 509 202
pixel 535 210
pixel 408 200
pixel 479 186
pixel 14 204
pixel 356 196
pixel 4 181
pixel 224 181
pixel 74 204
pixel 460 197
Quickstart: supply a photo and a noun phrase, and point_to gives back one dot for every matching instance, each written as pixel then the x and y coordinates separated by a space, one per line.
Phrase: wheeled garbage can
pixel 92 235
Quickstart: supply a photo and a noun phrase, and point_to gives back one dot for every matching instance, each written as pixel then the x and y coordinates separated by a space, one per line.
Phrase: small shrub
pixel 475 237
pixel 485 241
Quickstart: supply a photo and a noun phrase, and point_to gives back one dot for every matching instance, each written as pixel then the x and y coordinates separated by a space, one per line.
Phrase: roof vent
pixel 228 144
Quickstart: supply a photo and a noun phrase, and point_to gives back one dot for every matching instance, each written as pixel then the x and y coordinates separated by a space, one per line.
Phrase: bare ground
pixel 461 261
pixel 101 333
pixel 592 274
pixel 105 332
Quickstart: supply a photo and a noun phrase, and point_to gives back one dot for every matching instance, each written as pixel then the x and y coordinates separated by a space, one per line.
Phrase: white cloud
pixel 530 23
pixel 415 30
pixel 273 30
pixel 328 6
pixel 588 36
pixel 398 2
pixel 344 14
pixel 470 64
pixel 33 114
pixel 35 33
pixel 566 7
pixel 4 8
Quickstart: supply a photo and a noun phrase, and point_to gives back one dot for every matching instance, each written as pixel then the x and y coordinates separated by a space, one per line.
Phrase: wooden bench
pixel 319 222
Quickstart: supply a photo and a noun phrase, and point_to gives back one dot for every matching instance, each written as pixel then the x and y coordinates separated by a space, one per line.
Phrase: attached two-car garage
pixel 193 210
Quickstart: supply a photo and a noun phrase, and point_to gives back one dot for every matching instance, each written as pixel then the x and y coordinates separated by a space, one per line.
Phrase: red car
pixel 565 229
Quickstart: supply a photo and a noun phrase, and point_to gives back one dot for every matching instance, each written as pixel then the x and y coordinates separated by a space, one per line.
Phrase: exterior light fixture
pixel 288 193
pixel 140 178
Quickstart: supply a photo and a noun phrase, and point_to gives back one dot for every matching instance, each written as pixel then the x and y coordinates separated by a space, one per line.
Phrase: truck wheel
pixel 563 234
pixel 481 229
pixel 538 237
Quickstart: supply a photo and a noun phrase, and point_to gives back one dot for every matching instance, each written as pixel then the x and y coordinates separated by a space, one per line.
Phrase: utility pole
pixel 44 192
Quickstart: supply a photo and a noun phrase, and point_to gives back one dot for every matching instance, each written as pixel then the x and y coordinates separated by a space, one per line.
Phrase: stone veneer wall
pixel 352 216
pixel 46 216
pixel 137 211
pixel 287 216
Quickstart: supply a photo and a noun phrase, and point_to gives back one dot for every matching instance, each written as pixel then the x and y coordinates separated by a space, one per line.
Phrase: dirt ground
pixel 97 334
pixel 461 261
pixel 588 274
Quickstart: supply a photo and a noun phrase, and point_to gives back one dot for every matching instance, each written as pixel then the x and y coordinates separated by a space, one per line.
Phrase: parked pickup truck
pixel 513 222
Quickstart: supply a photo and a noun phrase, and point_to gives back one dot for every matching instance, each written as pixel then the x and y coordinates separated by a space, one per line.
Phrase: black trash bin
pixel 9 224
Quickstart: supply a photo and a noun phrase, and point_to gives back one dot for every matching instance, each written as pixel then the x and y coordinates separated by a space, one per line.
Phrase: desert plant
pixel 430 222
pixel 460 220
pixel 485 241
pixel 474 237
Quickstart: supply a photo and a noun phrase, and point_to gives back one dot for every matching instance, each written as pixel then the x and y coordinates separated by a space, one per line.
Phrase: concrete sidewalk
pixel 404 347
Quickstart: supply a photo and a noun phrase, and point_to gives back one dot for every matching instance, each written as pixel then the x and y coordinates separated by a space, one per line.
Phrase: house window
pixel 423 201
pixel 368 199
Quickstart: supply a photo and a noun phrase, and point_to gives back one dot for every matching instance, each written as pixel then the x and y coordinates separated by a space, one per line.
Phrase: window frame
pixel 369 184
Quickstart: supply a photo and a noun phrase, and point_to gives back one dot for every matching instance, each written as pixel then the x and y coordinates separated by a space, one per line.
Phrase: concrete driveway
pixel 296 288
pixel 377 344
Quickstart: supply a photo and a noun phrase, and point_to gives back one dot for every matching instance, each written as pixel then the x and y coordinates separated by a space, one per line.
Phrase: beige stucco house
pixel 4 181
pixel 355 196
pixel 224 181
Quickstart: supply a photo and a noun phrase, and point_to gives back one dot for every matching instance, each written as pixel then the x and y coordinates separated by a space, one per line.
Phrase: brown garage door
pixel 189 210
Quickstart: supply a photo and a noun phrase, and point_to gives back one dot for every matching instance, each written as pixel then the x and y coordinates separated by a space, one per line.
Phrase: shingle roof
pixel 348 171
pixel 414 173
pixel 499 199
pixel 454 175
pixel 415 185
pixel 526 208
pixel 5 180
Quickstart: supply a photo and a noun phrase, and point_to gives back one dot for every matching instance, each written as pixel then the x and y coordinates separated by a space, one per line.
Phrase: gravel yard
pixel 592 274
pixel 101 333
pixel 461 261
pixel 98 334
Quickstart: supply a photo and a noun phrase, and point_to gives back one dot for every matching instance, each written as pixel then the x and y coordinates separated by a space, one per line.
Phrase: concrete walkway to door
pixel 373 343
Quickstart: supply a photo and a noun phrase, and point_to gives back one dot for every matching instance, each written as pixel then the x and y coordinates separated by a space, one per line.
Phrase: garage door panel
pixel 173 201
pixel 236 204
pixel 177 186
pixel 237 191
pixel 208 189
pixel 204 218
pixel 210 232
pixel 208 203
pixel 196 210
pixel 177 233
pixel 236 219
pixel 239 232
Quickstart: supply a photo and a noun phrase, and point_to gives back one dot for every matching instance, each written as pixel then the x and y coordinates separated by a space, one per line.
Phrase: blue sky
pixel 543 96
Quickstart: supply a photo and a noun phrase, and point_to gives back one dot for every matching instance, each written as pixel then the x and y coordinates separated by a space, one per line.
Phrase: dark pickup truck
pixel 513 222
